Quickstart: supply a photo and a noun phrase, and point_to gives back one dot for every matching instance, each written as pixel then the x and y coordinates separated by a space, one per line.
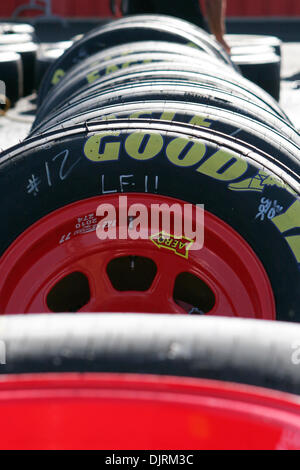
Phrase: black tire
pixel 171 90
pixel 168 68
pixel 273 239
pixel 232 124
pixel 103 76
pixel 115 34
pixel 236 350
pixel 11 73
pixel 28 53
pixel 184 25
pixel 94 63
pixel 262 69
pixel 140 47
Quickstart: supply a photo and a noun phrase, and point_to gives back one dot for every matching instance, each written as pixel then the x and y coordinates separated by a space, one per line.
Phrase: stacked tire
pixel 18 51
pixel 259 59
pixel 157 116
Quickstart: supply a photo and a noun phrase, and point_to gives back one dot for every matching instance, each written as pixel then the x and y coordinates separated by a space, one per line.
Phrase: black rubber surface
pixel 232 124
pixel 264 354
pixel 171 90
pixel 79 74
pixel 160 66
pixel 121 70
pixel 138 47
pixel 182 24
pixel 119 33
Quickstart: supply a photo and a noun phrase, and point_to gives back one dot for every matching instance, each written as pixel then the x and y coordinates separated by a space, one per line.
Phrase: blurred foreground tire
pixel 119 32
pixel 244 351
pixel 145 382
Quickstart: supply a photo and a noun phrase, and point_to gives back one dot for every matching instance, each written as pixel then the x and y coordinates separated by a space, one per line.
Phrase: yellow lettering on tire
pixel 57 76
pixel 111 69
pixel 140 114
pixel 234 166
pixel 192 157
pixel 192 44
pixel 167 116
pixel 111 149
pixel 92 77
pixel 109 116
pixel 152 148
pixel 290 219
pixel 294 242
pixel 126 65
pixel 200 121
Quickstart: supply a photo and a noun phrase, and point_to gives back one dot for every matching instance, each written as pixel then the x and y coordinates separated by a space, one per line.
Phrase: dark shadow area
pixel 70 294
pixel 287 29
pixel 131 273
pixel 66 30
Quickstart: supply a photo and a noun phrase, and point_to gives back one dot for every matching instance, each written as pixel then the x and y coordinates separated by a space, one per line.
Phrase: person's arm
pixel 215 12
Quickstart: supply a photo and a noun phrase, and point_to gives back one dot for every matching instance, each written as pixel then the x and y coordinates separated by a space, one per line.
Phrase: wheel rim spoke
pixel 232 281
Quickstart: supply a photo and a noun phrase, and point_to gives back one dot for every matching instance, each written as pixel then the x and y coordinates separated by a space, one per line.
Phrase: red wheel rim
pixel 115 411
pixel 53 249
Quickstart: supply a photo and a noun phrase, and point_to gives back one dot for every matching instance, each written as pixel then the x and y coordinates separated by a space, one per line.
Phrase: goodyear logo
pixel 180 246
pixel 258 183
pixel 224 166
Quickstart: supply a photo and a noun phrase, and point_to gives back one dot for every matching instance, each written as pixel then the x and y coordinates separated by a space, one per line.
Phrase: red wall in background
pixel 263 7
pixel 91 8
pixel 68 8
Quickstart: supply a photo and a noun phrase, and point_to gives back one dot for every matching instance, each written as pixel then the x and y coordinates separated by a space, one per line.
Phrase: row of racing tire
pixel 155 98
pixel 24 60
